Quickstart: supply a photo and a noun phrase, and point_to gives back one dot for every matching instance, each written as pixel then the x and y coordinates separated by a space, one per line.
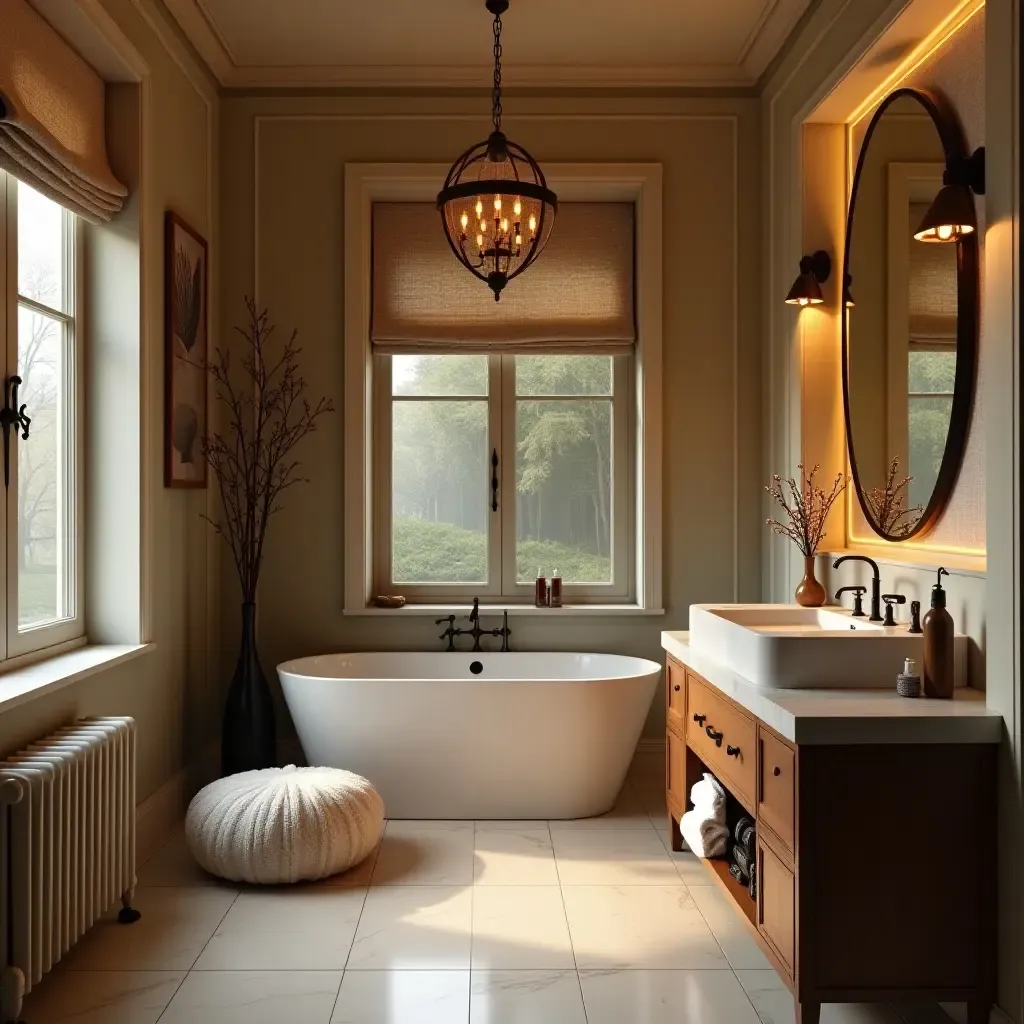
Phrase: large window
pixel 491 469
pixel 41 600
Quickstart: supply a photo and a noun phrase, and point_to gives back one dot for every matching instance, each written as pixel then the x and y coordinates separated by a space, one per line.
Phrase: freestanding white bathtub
pixel 462 735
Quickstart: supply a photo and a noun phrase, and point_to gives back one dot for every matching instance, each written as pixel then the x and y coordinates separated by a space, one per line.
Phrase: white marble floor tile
pixel 288 929
pixel 520 928
pixel 526 997
pixel 932 1013
pixel 403 826
pixel 520 857
pixel 417 854
pixel 175 926
pixel 254 997
pixel 728 929
pixel 665 997
pixel 403 997
pixel 355 877
pixel 628 813
pixel 509 824
pixel 774 1003
pixel 629 857
pixel 174 865
pixel 414 927
pixel 639 926
pixel 102 997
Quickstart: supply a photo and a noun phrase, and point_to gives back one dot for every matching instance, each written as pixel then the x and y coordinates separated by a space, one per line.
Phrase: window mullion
pixel 8 366
pixel 495 535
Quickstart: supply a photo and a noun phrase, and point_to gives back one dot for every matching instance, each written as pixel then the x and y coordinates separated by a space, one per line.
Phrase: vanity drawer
pixel 734 760
pixel 776 905
pixel 776 791
pixel 676 682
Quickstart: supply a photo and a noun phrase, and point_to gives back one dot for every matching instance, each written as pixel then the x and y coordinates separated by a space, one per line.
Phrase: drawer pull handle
pixel 733 751
pixel 676 687
pixel 776 771
pixel 700 719
pixel 716 736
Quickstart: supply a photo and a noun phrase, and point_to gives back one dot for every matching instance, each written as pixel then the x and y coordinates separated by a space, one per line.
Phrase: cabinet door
pixel 675 771
pixel 776 904
pixel 776 791
pixel 675 680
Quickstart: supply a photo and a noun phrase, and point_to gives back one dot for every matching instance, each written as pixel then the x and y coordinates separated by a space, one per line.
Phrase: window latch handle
pixel 494 479
pixel 12 415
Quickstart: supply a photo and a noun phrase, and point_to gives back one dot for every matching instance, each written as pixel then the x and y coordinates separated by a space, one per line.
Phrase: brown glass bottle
pixel 938 645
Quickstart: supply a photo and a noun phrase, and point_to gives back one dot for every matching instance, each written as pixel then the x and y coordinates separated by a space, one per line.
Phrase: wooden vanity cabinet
pixel 876 862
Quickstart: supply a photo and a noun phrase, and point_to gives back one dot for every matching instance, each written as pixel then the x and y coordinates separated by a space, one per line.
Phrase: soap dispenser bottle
pixel 938 644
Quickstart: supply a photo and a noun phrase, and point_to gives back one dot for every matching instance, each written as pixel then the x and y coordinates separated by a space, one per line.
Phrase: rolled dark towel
pixel 752 888
pixel 742 859
pixel 741 826
pixel 737 874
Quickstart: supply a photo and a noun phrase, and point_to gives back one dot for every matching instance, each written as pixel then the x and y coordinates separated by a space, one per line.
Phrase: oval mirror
pixel 910 325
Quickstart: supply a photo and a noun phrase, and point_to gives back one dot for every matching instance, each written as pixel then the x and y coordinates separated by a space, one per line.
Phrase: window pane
pixel 440 492
pixel 564 490
pixel 928 426
pixel 931 372
pixel 441 376
pixel 563 375
pixel 43 473
pixel 40 249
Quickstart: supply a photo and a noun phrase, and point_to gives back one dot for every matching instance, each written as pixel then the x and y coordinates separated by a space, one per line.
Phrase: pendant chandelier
pixel 496 208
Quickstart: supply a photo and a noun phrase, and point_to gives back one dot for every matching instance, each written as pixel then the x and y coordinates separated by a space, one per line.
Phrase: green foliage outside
pixel 433 551
pixel 441 471
pixel 931 375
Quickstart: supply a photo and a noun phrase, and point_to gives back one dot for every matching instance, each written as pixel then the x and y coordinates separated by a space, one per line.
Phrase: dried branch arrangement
pixel 806 507
pixel 888 507
pixel 268 414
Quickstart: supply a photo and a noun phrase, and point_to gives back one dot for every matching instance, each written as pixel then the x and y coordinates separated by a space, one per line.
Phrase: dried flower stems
pixel 806 506
pixel 887 505
pixel 268 414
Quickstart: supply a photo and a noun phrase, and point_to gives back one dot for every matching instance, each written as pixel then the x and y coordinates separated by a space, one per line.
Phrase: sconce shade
pixel 949 218
pixel 814 271
pixel 952 214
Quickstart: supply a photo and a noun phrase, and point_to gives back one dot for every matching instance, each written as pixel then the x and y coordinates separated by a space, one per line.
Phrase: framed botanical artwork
pixel 186 259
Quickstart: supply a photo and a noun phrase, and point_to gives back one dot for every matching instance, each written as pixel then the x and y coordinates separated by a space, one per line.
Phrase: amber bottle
pixel 938 645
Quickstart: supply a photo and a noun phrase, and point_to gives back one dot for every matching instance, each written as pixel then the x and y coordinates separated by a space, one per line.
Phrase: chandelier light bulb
pixel 519 239
pixel 945 231
pixel 497 203
pixel 479 208
pixel 504 224
pixel 465 221
pixel 517 207
pixel 533 223
pixel 479 241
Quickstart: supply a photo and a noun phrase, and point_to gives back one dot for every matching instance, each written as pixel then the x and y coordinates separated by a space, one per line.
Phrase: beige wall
pixel 282 176
pixel 169 690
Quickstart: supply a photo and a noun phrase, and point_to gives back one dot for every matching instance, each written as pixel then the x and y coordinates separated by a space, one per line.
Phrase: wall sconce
pixel 952 214
pixel 847 294
pixel 814 272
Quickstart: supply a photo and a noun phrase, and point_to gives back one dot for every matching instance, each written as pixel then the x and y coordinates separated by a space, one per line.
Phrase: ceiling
pixel 446 43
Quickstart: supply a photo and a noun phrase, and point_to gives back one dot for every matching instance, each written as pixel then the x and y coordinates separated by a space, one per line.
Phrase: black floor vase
pixel 248 738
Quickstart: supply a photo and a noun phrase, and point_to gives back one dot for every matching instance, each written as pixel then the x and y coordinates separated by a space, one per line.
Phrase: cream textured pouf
pixel 284 824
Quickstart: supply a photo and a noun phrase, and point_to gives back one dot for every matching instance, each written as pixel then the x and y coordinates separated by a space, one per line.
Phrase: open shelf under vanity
pixel 876 861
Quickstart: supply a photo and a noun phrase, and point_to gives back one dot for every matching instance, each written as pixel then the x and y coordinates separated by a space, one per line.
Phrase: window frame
pixel 16 643
pixel 640 184
pixel 502 404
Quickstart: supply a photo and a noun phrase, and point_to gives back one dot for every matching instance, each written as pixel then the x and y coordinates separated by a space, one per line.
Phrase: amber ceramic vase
pixel 810 593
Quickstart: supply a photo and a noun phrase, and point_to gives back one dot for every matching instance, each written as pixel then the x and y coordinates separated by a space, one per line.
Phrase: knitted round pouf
pixel 284 824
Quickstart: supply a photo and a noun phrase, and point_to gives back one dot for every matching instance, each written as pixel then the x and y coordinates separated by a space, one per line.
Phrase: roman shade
pixel 932 292
pixel 577 297
pixel 52 131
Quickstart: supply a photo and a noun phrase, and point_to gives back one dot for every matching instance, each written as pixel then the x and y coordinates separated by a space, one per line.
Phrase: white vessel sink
pixel 789 647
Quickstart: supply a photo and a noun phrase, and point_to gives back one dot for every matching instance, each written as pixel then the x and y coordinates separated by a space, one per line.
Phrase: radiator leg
pixel 128 914
pixel 12 992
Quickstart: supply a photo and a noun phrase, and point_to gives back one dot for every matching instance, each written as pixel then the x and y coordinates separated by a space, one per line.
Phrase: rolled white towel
pixel 708 798
pixel 704 836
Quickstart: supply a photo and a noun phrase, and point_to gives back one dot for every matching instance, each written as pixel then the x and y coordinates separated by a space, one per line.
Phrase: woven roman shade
pixel 577 297
pixel 52 131
pixel 932 294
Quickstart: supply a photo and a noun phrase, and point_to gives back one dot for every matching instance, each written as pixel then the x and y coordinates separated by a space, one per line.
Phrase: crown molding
pixel 773 28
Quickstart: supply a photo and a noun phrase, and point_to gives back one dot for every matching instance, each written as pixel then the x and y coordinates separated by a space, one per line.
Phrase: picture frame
pixel 186 346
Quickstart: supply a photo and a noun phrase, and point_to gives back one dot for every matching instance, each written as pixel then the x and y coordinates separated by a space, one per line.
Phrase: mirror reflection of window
pixel 931 356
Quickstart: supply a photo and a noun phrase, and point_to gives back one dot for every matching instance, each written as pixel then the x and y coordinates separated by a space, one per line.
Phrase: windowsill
pixel 27 682
pixel 439 610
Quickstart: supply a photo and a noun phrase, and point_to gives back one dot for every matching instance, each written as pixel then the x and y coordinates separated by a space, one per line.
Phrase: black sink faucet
pixel 876 583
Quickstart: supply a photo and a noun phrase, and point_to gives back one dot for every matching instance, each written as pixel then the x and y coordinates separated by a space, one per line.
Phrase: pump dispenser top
pixel 938 644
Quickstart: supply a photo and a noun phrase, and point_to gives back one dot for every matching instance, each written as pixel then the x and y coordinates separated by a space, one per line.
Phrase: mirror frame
pixel 968 309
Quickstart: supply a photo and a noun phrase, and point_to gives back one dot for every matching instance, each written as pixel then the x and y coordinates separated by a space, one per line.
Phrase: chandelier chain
pixel 496 92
